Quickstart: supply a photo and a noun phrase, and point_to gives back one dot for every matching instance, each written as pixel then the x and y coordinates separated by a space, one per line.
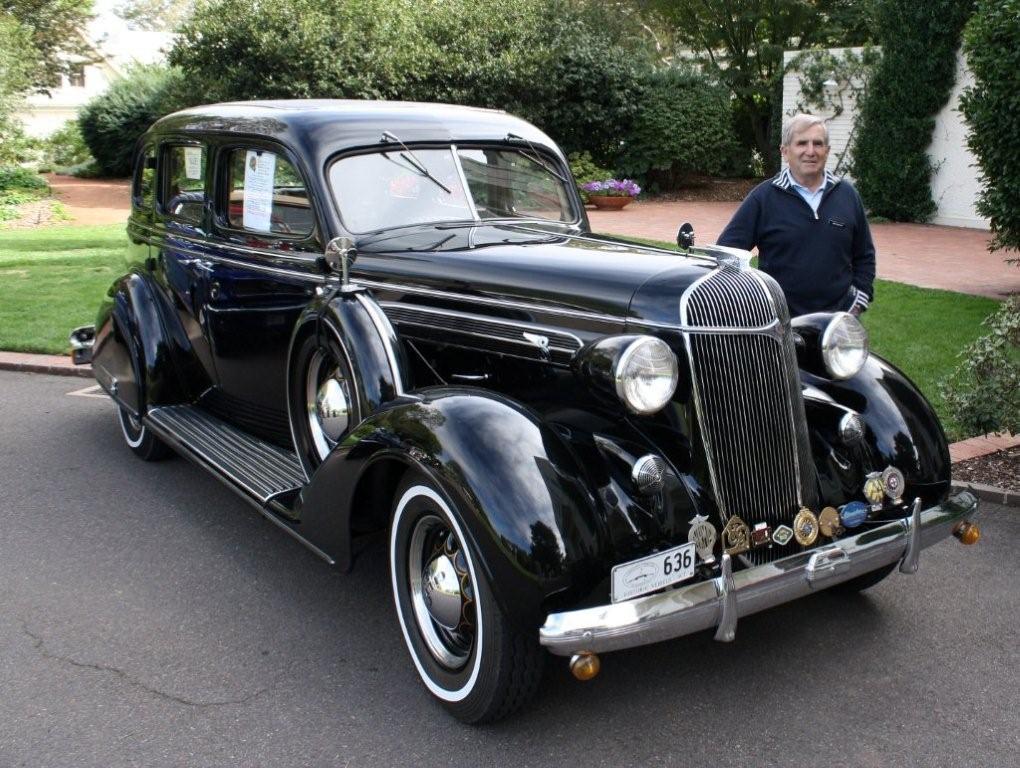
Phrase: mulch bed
pixel 1000 470
pixel 700 189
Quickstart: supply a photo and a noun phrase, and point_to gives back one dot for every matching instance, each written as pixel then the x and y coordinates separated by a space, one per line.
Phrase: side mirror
pixel 340 254
pixel 685 237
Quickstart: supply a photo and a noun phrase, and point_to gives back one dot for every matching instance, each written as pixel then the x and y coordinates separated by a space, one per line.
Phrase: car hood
pixel 527 265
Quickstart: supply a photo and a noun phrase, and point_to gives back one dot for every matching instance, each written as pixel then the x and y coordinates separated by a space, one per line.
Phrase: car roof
pixel 323 127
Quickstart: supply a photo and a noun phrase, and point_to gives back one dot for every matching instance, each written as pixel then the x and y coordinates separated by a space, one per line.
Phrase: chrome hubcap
pixel 326 395
pixel 441 592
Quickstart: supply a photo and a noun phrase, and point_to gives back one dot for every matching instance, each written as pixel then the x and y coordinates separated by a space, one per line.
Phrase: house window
pixel 76 76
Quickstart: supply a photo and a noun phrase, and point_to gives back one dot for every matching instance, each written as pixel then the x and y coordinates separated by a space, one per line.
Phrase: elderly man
pixel 809 227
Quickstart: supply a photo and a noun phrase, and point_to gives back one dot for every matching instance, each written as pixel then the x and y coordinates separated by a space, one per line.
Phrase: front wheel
pixel 466 652
pixel 139 437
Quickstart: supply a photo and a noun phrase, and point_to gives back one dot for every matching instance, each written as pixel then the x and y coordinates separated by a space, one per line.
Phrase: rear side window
pixel 266 194
pixel 184 169
pixel 145 180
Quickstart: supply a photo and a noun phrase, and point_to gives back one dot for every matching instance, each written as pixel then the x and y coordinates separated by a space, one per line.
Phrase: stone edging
pixel 989 493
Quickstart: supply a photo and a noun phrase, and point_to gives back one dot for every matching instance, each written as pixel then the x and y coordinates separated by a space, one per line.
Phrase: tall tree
pixel 57 28
pixel 16 65
pixel 741 42
pixel 155 14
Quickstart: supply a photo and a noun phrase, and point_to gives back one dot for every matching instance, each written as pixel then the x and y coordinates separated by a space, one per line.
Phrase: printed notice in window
pixel 193 162
pixel 259 172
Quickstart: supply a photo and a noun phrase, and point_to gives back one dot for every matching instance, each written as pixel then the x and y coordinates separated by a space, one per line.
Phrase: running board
pixel 267 476
pixel 260 469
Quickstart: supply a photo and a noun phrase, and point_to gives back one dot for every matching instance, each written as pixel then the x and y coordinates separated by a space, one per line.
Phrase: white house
pixel 115 48
pixel 954 185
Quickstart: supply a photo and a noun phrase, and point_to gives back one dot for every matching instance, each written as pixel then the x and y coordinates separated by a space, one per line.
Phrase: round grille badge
pixel 893 481
pixel 805 527
pixel 828 522
pixel 703 536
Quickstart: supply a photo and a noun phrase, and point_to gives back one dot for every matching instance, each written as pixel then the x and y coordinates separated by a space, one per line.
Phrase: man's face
pixel 806 154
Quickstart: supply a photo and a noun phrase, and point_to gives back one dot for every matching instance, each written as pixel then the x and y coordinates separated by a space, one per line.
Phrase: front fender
pixel 514 481
pixel 902 427
pixel 363 330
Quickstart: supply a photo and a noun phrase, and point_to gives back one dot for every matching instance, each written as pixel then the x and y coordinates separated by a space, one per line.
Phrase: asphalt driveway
pixel 149 617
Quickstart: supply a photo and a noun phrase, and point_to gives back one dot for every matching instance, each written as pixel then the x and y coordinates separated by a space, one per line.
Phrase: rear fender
pixel 131 359
pixel 513 479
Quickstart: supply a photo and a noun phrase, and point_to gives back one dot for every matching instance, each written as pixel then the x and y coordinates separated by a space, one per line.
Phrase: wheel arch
pixel 132 358
pixel 526 511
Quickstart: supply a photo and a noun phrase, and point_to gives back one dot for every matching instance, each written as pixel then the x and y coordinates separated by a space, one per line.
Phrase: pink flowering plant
pixel 612 188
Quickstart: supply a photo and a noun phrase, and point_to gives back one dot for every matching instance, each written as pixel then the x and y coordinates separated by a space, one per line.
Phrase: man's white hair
pixel 800 123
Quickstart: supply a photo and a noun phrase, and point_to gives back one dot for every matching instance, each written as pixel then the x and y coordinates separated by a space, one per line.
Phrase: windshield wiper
pixel 535 157
pixel 409 157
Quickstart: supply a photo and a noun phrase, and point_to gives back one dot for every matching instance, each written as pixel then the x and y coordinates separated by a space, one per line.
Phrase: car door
pixel 265 274
pixel 182 249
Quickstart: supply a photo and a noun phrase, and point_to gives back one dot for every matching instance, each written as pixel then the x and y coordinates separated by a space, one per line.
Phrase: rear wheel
pixel 468 655
pixel 139 437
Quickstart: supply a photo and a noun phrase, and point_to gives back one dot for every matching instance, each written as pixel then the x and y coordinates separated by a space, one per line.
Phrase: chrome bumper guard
pixel 719 602
pixel 82 339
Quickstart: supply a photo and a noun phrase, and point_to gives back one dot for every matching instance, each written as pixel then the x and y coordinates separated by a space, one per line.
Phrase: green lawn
pixel 52 279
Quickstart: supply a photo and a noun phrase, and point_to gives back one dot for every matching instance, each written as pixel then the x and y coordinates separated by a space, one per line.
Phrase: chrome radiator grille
pixel 747 395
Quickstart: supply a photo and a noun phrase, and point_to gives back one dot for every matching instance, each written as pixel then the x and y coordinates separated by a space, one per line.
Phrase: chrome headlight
pixel 844 346
pixel 646 375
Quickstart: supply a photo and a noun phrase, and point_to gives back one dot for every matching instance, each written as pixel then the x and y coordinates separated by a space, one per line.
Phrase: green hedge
pixel 112 122
pixel 992 108
pixel 984 391
pixel 682 128
pixel 897 115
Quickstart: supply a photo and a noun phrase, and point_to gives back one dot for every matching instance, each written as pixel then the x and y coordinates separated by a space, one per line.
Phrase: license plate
pixel 648 574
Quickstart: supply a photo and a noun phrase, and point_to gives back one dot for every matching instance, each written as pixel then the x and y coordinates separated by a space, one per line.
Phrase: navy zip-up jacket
pixel 824 261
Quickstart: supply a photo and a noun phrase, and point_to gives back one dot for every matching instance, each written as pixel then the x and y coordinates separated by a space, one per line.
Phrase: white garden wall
pixel 955 184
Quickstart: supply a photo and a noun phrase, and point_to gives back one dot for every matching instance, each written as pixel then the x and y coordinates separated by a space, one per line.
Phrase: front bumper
pixel 719 602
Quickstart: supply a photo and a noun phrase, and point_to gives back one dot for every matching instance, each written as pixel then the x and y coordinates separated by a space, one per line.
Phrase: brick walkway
pixel 951 258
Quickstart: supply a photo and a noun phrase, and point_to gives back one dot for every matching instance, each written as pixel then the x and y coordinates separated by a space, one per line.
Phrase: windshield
pixel 397 187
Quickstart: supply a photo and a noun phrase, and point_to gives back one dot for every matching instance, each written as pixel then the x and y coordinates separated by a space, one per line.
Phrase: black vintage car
pixel 393 319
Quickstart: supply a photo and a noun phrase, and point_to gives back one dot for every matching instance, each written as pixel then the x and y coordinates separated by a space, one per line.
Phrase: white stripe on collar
pixel 784 180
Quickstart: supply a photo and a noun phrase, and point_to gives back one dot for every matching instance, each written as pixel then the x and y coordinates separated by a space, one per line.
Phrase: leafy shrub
pixel 984 391
pixel 910 85
pixel 112 122
pixel 683 127
pixel 992 45
pixel 19 186
pixel 14 178
pixel 568 66
pixel 584 169
pixel 65 147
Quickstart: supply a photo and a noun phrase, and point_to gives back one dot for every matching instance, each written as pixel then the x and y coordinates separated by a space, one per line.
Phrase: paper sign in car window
pixel 259 172
pixel 193 162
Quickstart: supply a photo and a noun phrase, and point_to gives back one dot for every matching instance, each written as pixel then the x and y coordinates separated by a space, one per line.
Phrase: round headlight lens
pixel 844 346
pixel 646 375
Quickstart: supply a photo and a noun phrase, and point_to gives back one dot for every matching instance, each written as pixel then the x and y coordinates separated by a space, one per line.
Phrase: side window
pixel 265 193
pixel 183 174
pixel 145 180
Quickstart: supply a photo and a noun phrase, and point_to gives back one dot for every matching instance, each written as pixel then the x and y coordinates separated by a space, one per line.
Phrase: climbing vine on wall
pixel 910 85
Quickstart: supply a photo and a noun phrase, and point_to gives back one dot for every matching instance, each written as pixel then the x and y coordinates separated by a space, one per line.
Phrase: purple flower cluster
pixel 612 188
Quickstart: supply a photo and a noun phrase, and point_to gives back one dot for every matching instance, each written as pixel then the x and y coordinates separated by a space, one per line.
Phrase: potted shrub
pixel 611 194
